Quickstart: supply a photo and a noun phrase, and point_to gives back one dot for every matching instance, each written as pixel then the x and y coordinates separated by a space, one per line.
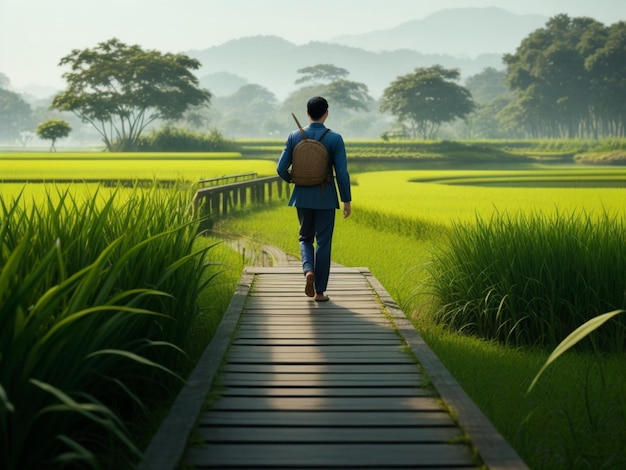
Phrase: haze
pixel 35 34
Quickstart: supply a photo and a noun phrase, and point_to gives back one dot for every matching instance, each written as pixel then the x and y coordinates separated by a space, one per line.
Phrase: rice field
pixel 428 196
pixel 575 416
pixel 401 218
pixel 89 167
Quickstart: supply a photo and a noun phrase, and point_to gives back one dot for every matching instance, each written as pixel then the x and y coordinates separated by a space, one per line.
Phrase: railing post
pixel 218 200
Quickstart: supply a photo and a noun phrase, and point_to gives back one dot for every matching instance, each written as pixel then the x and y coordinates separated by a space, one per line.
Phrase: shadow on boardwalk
pixel 343 384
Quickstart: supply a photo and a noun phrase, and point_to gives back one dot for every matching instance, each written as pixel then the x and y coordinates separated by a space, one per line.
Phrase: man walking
pixel 316 205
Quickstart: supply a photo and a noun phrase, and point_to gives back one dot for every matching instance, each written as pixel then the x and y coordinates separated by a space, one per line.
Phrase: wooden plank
pixel 338 358
pixel 311 455
pixel 321 380
pixel 362 311
pixel 410 391
pixel 329 435
pixel 327 418
pixel 387 340
pixel 343 329
pixel 393 349
pixel 406 368
pixel 389 404
pixel 363 337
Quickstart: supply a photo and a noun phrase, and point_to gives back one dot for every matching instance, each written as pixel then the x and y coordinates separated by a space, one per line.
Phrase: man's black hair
pixel 316 107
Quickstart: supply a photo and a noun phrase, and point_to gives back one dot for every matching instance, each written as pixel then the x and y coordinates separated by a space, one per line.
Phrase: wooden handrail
pixel 218 201
pixel 234 177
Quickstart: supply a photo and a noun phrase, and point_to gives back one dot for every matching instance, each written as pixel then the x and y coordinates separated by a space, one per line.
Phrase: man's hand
pixel 346 209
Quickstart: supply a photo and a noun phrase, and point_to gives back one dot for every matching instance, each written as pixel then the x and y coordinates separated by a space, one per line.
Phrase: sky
pixel 36 34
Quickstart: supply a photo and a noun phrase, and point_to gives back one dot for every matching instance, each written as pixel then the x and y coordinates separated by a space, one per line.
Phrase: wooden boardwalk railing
pixel 219 200
pixel 343 384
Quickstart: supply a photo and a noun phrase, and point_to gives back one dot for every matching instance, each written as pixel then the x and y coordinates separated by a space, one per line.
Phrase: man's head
pixel 316 107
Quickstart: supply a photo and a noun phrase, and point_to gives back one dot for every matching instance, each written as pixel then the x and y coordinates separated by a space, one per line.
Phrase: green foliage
pixel 121 89
pixel 97 299
pixel 427 98
pixel 324 72
pixel 343 95
pixel 15 115
pixel 531 279
pixel 574 418
pixel 53 129
pixel 574 338
pixel 178 140
pixel 568 80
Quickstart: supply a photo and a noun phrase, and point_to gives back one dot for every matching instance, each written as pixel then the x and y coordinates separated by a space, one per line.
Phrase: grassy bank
pixel 105 305
pixel 576 416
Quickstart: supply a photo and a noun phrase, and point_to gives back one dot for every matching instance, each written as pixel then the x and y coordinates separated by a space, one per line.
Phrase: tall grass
pixel 576 415
pixel 531 279
pixel 97 298
pixel 148 166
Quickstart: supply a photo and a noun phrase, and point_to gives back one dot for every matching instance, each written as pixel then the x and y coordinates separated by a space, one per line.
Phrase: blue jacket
pixel 316 197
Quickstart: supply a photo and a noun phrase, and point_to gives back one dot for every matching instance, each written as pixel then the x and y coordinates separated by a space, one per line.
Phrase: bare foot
pixel 321 298
pixel 309 289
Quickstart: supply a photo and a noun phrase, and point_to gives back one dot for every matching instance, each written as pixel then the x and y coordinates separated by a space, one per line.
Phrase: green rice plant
pixel 573 338
pixel 530 279
pixel 576 416
pixel 417 194
pixel 132 168
pixel 97 300
pixel 16 157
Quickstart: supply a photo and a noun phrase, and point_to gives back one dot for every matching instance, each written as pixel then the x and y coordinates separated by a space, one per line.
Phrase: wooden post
pixel 218 200
pixel 225 201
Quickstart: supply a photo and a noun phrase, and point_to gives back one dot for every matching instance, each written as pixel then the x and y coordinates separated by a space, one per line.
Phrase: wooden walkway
pixel 343 384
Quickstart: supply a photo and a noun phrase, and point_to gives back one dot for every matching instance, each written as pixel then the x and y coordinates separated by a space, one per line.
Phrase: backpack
pixel 310 161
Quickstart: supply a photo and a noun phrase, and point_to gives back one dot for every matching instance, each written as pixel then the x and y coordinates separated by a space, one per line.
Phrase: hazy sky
pixel 35 34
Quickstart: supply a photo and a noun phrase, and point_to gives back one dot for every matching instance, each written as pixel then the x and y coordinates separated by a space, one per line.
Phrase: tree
pixel 26 137
pixel 324 72
pixel 487 85
pixel 244 112
pixel 53 129
pixel 607 68
pixel 15 115
pixel 121 89
pixel 568 79
pixel 491 95
pixel 342 93
pixel 4 81
pixel 427 98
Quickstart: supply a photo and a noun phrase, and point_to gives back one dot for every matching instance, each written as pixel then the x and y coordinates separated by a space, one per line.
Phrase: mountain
pixel 461 32
pixel 274 62
pixel 469 39
pixel 222 83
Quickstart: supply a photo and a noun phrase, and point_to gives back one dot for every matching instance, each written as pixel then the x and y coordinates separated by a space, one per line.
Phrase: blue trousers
pixel 316 225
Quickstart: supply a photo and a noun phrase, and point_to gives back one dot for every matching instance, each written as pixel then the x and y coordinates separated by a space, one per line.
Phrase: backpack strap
pixel 325 132
pixel 304 136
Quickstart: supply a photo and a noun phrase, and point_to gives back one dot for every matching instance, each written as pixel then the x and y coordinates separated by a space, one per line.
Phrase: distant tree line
pixel 565 80
pixel 569 80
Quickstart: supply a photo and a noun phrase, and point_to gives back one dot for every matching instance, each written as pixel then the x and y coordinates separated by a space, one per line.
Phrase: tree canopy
pixel 121 89
pixel 324 72
pixel 53 129
pixel 329 81
pixel 15 115
pixel 569 79
pixel 427 98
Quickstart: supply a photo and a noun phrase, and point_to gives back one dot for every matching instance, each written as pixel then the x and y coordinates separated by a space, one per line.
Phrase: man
pixel 316 205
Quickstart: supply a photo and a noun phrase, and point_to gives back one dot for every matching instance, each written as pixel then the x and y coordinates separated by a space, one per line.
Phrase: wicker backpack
pixel 310 160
